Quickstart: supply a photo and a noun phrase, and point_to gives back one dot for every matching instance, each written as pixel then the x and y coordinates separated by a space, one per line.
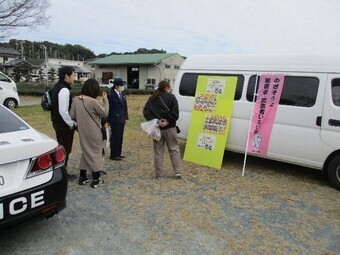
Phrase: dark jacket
pixel 55 115
pixel 118 112
pixel 155 109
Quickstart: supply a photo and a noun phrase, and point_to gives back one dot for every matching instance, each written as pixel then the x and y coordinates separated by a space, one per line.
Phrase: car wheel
pixel 333 171
pixel 10 103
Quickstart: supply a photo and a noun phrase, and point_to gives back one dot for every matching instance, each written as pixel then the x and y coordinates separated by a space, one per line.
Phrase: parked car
pixel 151 86
pixel 107 85
pixel 33 181
pixel 9 96
pixel 110 84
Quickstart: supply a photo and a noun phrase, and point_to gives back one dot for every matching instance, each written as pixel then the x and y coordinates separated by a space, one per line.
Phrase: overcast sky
pixel 194 26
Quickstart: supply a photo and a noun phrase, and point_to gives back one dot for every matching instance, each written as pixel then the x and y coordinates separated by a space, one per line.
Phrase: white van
pixel 8 92
pixel 306 130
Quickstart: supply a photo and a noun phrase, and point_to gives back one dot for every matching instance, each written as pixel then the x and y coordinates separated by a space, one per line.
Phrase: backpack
pixel 46 100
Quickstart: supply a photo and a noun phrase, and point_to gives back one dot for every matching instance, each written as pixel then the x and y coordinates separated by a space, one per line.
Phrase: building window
pixel 151 81
pixel 167 66
pixel 176 67
pixel 106 76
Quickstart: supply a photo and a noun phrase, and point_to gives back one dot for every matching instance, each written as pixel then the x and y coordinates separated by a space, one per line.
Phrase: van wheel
pixel 333 171
pixel 10 103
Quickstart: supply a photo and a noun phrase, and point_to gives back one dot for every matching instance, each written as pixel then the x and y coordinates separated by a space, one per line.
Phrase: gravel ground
pixel 276 208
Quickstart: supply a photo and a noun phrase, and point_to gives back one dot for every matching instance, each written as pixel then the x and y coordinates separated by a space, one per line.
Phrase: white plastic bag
pixel 108 135
pixel 151 127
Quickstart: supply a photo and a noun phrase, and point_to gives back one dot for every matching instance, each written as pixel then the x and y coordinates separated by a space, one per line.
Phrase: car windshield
pixel 9 122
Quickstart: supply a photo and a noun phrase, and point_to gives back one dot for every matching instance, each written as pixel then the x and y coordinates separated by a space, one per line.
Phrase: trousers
pixel 168 137
pixel 64 137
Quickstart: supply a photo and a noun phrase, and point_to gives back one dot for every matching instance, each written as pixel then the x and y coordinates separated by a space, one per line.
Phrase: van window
pixel 336 91
pixel 297 90
pixel 187 86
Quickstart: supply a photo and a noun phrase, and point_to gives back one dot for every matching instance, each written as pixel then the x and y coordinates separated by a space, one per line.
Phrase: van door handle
pixel 333 122
pixel 318 121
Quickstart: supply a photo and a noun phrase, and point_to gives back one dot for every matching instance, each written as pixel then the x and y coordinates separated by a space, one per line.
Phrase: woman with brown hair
pixel 163 105
pixel 88 113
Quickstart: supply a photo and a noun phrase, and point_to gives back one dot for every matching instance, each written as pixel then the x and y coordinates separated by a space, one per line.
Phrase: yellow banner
pixel 210 120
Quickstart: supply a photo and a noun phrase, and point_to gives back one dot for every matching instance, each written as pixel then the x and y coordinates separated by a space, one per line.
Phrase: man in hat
pixel 118 117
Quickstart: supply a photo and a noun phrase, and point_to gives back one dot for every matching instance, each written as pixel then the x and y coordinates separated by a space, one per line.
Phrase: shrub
pixel 38 88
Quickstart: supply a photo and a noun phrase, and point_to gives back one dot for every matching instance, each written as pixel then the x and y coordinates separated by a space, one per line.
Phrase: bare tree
pixel 16 14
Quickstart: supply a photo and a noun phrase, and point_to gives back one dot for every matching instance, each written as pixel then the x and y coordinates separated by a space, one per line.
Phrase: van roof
pixel 263 63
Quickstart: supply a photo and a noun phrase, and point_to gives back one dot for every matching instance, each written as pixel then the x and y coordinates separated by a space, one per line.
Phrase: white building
pixel 139 70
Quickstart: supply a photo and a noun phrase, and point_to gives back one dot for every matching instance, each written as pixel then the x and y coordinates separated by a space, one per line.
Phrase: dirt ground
pixel 276 208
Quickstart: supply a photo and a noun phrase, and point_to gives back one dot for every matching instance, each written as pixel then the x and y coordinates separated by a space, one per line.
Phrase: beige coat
pixel 89 130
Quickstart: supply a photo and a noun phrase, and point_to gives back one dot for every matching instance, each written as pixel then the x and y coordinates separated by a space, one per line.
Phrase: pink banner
pixel 268 98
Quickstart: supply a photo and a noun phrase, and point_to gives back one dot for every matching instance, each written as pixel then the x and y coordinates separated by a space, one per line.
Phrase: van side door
pixel 330 124
pixel 295 136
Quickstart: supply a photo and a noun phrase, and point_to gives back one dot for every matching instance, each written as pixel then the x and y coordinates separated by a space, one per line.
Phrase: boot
pixel 96 181
pixel 83 177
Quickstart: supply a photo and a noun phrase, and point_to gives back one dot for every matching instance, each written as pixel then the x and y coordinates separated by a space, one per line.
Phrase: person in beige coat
pixel 87 112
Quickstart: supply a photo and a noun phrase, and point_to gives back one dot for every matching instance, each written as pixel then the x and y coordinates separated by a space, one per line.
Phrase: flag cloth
pixel 268 98
pixel 210 120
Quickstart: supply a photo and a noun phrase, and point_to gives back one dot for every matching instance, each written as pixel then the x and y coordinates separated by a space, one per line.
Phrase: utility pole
pixel 32 51
pixel 22 49
pixel 45 49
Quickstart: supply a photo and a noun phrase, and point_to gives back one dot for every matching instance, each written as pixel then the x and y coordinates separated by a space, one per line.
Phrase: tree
pixel 16 14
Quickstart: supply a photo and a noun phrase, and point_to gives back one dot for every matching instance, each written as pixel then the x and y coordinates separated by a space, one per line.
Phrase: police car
pixel 32 173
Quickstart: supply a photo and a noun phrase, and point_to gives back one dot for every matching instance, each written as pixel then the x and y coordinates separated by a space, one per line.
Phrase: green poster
pixel 210 120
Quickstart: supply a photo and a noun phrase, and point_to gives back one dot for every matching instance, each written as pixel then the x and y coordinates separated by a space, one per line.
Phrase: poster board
pixel 210 120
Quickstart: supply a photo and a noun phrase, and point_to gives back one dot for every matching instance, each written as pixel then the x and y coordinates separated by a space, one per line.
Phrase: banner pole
pixel 251 117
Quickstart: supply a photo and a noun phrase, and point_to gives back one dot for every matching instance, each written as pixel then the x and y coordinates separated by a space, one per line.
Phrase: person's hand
pixel 104 95
pixel 163 123
pixel 74 127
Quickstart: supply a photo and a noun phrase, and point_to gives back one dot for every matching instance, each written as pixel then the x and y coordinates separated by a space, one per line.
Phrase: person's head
pixel 66 73
pixel 164 86
pixel 90 88
pixel 118 84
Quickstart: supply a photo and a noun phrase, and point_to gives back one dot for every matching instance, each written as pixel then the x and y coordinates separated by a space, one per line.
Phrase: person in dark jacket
pixel 163 105
pixel 61 101
pixel 118 117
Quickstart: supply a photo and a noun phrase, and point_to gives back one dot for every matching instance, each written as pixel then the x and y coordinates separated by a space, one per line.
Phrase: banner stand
pixel 251 117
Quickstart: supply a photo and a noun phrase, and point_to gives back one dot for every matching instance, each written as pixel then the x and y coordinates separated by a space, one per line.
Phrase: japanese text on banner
pixel 268 98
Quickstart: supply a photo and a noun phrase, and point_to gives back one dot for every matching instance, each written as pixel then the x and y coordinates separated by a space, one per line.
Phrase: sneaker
pixel 178 176
pixel 71 177
pixel 83 180
pixel 96 183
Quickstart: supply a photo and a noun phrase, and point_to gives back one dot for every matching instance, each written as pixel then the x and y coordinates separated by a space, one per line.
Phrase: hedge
pixel 37 89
